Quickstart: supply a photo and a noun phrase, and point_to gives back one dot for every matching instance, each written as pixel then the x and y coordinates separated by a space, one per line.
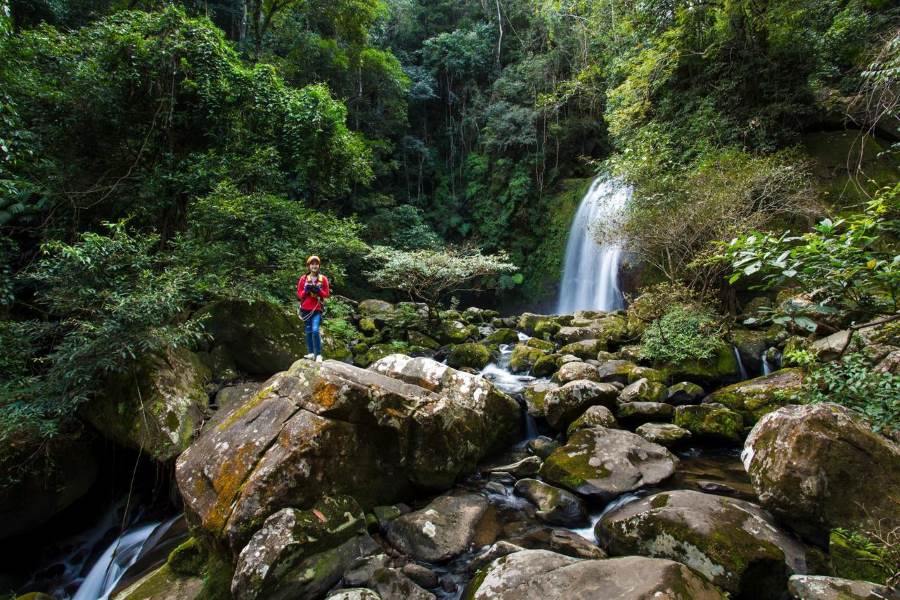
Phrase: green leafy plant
pixel 682 333
pixel 853 383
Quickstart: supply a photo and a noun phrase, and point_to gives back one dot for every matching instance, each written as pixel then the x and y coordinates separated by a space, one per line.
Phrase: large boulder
pixel 442 530
pixel 260 336
pixel 595 416
pixel 544 575
pixel 633 414
pixel 603 463
pixel 156 407
pixel 721 366
pixel 643 390
pixel 329 429
pixel 818 587
pixel 819 467
pixel 162 584
pixel 274 562
pixel 734 544
pixel 584 349
pixel 574 370
pixel 523 358
pixel 535 393
pixel 664 434
pixel 475 356
pixel 755 397
pixel 713 422
pixel 564 404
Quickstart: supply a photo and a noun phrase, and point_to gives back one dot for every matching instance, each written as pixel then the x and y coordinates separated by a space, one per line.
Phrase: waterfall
pixel 590 278
pixel 120 555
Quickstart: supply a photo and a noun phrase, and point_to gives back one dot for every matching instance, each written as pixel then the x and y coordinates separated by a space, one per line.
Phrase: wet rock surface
pixel 440 531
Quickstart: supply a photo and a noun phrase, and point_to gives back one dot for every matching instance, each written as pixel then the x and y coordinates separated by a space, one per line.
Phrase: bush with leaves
pixel 428 275
pixel 683 333
pixel 847 267
pixel 852 382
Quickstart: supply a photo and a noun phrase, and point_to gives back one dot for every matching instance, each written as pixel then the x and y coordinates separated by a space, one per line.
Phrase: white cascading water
pixel 120 555
pixel 590 278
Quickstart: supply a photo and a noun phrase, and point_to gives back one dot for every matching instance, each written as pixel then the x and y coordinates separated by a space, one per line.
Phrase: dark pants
pixel 312 320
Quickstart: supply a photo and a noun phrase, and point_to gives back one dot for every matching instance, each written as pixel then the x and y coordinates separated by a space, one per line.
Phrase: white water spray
pixel 120 555
pixel 591 274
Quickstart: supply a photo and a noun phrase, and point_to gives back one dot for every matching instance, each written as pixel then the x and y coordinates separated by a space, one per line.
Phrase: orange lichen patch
pixel 326 394
pixel 227 484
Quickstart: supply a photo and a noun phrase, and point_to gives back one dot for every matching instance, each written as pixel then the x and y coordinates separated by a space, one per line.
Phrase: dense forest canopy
pixel 157 156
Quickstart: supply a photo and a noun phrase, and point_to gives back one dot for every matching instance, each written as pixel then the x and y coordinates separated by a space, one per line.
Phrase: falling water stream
pixel 590 278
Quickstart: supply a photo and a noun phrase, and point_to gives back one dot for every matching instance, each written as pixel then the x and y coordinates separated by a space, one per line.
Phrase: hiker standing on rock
pixel 312 289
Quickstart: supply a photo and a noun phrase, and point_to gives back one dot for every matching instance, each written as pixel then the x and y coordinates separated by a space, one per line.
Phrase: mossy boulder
pixel 333 429
pixel 545 329
pixel 756 397
pixel 721 366
pixel 417 338
pixel 573 371
pixel 375 352
pixel 163 584
pixel 594 416
pixel 819 587
pixel 632 414
pixel 528 321
pixel 750 345
pixel 735 544
pixel 584 349
pixel 375 309
pixel 684 392
pixel 664 434
pixel 819 468
pixel 535 393
pixel 545 366
pixel 540 344
pixel 602 463
pixel 274 561
pixel 456 332
pixel 476 356
pixel 445 528
pixel 504 335
pixel 609 330
pixel 564 404
pixel 189 558
pixel 535 574
pixel 643 390
pixel 261 337
pixel 554 505
pixel 714 422
pixel 616 371
pixel 853 557
pixel 523 358
pixel 648 373
pixel 156 407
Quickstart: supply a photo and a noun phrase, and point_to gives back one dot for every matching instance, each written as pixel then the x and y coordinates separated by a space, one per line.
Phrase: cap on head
pixel 313 258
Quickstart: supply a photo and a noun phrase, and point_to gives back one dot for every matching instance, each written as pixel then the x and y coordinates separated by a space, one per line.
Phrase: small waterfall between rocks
pixel 590 278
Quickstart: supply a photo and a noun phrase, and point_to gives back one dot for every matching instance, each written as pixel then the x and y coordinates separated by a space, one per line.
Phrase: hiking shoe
pixel 318 358
pixel 310 356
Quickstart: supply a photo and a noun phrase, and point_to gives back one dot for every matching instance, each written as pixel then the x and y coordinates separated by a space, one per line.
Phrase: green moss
pixel 546 329
pixel 217 578
pixel 475 356
pixel 188 558
pixel 545 366
pixel 660 501
pixel 711 421
pixel 503 335
pixel 854 557
pixel 523 358
pixel 540 344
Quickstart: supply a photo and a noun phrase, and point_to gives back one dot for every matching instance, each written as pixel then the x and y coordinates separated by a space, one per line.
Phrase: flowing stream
pixel 590 278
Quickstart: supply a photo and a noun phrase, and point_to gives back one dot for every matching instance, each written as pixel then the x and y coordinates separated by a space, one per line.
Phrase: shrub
pixel 682 333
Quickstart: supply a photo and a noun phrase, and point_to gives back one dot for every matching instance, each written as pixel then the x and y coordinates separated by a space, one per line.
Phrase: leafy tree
pixel 428 275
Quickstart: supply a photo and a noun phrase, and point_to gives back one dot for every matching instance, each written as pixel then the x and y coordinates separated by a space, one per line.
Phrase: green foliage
pixel 852 382
pixel 848 266
pixel 430 274
pixel 683 333
pixel 255 245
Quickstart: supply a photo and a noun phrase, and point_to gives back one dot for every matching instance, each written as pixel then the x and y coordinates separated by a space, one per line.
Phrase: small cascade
pixel 588 532
pixel 590 278
pixel 770 360
pixel 120 555
pixel 741 367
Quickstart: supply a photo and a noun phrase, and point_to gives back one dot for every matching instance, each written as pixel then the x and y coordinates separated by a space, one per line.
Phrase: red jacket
pixel 313 300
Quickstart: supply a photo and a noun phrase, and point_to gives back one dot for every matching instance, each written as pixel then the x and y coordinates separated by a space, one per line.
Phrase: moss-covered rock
pixel 163 584
pixel 632 414
pixel 819 587
pixel 456 332
pixel 756 397
pixel 540 344
pixel 528 321
pixel 575 370
pixel 664 434
pixel 261 337
pixel 554 505
pixel 616 371
pixel 819 468
pixel 722 366
pixel 504 335
pixel 584 349
pixel 375 309
pixel 417 338
pixel 545 366
pixel 750 345
pixel 187 559
pixel 608 329
pixel 369 354
pixel 545 329
pixel 711 421
pixel 523 358
pixel 594 416
pixel 603 463
pixel 368 326
pixel 471 355
pixel 648 373
pixel 735 544
pixel 156 407
pixel 534 394
pixel 684 392
pixel 564 404
pixel 643 390
pixel 855 558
